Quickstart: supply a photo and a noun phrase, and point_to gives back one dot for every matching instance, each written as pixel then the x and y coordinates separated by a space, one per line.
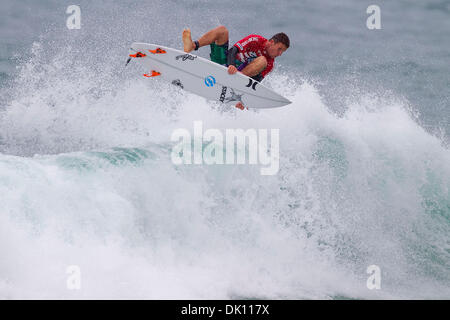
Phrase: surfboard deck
pixel 203 77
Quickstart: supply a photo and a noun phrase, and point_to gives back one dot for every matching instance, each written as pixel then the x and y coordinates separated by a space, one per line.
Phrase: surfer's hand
pixel 232 69
pixel 239 105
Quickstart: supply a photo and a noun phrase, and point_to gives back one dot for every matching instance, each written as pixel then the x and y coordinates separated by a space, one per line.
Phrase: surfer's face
pixel 275 49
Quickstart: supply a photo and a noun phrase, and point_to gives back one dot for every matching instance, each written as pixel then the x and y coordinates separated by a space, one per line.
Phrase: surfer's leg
pixel 255 67
pixel 217 35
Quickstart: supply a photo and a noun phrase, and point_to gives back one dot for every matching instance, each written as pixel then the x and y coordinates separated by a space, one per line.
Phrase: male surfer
pixel 253 55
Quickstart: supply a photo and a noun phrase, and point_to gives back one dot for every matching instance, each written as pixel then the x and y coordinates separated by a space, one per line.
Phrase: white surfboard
pixel 203 77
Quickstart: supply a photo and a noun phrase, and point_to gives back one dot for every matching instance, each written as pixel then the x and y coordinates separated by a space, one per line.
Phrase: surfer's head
pixel 278 44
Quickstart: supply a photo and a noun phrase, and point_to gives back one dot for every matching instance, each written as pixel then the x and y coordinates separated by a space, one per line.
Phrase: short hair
pixel 281 37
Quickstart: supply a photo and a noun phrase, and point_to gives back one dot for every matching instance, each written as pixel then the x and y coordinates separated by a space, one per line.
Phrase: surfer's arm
pixel 254 68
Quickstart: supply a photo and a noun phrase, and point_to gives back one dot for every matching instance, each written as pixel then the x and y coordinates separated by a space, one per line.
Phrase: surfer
pixel 253 55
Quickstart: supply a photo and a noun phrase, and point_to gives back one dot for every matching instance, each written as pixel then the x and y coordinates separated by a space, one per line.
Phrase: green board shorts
pixel 219 54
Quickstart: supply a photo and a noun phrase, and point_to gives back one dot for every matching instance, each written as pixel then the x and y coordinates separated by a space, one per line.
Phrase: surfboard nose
pixel 287 101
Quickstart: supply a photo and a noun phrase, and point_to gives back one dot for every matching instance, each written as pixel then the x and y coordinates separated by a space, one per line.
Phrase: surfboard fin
pixel 138 55
pixel 153 74
pixel 158 51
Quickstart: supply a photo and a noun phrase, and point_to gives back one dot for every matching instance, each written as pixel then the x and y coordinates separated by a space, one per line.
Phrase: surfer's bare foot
pixel 187 41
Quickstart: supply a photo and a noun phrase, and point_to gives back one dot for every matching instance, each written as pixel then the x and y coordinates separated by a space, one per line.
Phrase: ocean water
pixel 86 177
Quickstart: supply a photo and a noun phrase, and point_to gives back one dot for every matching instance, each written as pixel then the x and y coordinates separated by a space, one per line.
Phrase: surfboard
pixel 203 77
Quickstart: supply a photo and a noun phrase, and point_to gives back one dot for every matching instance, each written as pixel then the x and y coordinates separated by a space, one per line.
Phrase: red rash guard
pixel 250 48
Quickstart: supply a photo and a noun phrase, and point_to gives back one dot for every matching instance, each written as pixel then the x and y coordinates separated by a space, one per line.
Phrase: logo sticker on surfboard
pixel 210 81
pixel 185 57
